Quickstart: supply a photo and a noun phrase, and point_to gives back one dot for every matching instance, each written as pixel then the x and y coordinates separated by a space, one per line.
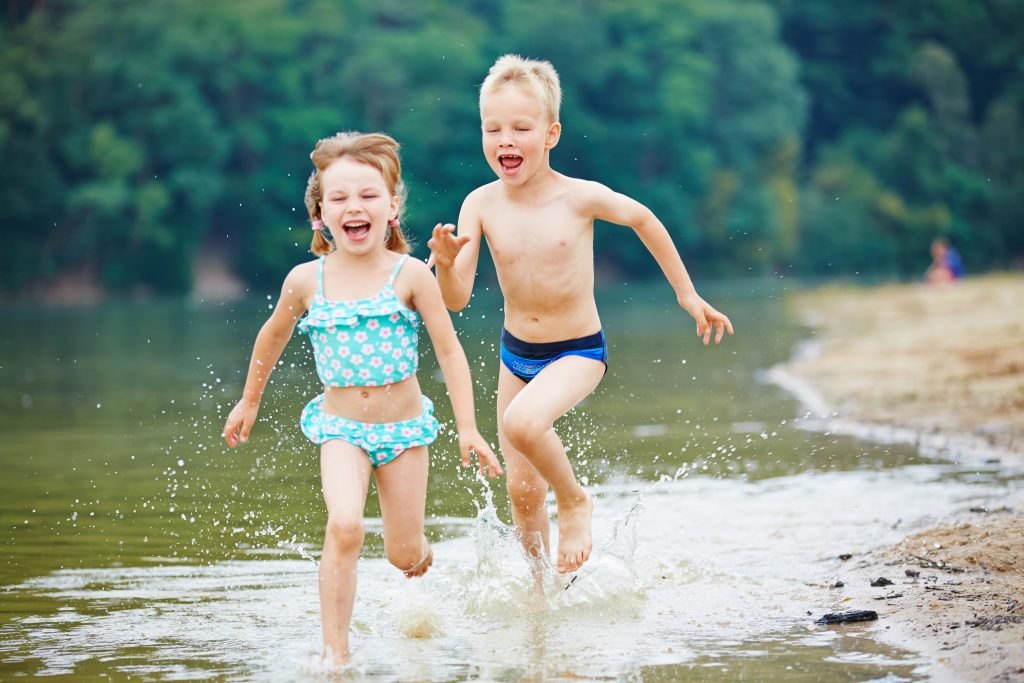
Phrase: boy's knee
pixel 526 496
pixel 346 532
pixel 522 428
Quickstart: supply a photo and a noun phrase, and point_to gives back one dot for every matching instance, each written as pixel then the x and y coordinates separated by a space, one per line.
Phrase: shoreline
pixel 954 592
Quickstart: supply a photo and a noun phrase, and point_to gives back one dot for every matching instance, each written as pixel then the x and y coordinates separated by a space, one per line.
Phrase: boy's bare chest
pixel 537 237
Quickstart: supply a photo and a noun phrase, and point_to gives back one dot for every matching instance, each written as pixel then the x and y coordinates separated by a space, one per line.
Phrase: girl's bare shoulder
pixel 302 279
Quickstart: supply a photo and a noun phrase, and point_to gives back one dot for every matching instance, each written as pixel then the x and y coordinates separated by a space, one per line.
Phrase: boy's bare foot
pixel 574 539
pixel 421 567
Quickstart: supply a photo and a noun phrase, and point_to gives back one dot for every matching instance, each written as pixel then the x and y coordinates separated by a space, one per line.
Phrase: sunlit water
pixel 136 546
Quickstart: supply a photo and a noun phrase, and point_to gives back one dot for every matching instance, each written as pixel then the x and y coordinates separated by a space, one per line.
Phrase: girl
pixel 365 298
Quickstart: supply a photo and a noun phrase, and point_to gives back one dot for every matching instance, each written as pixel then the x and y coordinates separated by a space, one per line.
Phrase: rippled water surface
pixel 136 546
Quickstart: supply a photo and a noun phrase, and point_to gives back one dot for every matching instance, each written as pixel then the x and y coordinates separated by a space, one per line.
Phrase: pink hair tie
pixel 393 223
pixel 318 225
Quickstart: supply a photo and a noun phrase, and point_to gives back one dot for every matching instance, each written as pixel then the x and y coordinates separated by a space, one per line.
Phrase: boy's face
pixel 516 134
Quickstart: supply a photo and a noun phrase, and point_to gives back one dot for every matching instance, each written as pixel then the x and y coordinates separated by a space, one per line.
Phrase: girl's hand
pixel 707 318
pixel 445 246
pixel 240 421
pixel 471 443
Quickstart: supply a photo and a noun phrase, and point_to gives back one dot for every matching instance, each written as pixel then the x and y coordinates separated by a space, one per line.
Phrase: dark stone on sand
pixel 881 581
pixel 845 556
pixel 838 584
pixel 912 573
pixel 848 617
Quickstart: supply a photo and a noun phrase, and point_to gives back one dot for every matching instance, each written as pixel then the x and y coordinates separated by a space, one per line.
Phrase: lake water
pixel 137 546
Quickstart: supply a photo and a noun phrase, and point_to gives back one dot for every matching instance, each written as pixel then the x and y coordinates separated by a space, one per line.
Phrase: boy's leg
pixel 345 476
pixel 529 427
pixel 402 489
pixel 527 489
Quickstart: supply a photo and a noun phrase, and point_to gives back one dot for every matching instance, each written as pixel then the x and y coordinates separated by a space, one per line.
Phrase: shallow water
pixel 137 546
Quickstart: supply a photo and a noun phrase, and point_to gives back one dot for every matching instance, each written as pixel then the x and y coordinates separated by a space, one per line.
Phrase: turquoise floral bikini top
pixel 363 343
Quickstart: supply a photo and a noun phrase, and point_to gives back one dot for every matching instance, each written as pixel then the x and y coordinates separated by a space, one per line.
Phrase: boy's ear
pixel 554 134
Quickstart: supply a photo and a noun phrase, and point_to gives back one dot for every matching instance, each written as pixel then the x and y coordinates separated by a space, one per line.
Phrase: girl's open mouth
pixel 357 231
pixel 510 163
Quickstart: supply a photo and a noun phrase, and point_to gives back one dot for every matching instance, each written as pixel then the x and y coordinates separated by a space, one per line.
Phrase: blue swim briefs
pixel 526 359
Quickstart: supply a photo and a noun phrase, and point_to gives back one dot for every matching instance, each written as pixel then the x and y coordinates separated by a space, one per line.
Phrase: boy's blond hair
pixel 536 76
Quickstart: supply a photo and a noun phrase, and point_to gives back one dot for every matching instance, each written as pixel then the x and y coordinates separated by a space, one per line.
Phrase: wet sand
pixel 944 366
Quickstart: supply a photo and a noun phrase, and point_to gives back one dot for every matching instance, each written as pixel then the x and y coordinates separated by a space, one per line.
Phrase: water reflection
pixel 135 544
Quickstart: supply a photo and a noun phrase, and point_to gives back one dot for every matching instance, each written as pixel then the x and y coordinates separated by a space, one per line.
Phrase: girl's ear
pixel 396 205
pixel 554 134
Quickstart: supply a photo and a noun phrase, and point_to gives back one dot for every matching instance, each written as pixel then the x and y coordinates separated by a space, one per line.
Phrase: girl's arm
pixel 604 204
pixel 426 299
pixel 270 342
pixel 456 266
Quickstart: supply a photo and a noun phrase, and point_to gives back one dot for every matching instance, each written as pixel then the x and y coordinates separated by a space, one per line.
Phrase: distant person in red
pixel 947 265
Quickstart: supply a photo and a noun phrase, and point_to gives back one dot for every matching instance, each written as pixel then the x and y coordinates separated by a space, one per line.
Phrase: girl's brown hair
pixel 374 149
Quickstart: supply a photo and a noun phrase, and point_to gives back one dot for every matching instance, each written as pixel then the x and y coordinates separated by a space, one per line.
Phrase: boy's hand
pixel 445 246
pixel 707 318
pixel 240 421
pixel 471 443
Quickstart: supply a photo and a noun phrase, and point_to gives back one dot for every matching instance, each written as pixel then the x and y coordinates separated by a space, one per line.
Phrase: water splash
pixel 509 579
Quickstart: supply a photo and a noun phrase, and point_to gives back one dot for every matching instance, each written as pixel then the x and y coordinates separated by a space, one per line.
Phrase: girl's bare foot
pixel 421 567
pixel 333 663
pixel 574 537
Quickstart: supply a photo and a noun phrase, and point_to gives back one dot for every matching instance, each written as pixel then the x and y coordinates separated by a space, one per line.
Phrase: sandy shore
pixel 942 367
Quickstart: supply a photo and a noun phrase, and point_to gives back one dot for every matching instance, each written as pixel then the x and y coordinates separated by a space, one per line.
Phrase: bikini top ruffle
pixel 366 342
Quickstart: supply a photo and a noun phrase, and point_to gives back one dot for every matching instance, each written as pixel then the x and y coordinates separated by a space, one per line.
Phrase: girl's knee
pixel 346 533
pixel 523 428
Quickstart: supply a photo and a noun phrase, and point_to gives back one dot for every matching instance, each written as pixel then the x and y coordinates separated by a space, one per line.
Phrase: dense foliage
pixel 789 136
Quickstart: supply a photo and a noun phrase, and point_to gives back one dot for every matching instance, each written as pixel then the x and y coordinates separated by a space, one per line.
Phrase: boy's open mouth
pixel 356 230
pixel 510 162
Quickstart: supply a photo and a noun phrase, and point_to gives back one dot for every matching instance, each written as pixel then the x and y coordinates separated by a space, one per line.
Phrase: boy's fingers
pixel 720 327
pixel 430 261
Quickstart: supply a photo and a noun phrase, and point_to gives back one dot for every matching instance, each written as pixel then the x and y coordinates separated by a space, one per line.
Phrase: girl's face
pixel 356 205
pixel 516 134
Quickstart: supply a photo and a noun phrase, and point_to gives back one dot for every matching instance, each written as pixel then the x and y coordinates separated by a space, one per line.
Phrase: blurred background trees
pixel 770 136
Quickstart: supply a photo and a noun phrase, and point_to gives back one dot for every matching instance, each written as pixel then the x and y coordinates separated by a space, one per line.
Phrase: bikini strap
pixel 398 267
pixel 320 276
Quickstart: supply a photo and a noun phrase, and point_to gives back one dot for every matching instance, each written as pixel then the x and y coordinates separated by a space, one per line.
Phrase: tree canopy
pixel 769 136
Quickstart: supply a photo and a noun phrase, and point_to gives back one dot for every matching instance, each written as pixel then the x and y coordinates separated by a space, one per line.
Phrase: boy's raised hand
pixel 470 444
pixel 445 246
pixel 707 318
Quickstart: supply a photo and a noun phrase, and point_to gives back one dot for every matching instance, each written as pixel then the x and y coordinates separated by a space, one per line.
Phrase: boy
pixel 539 227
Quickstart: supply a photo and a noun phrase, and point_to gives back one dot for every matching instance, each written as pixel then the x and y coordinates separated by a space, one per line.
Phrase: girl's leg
pixel 402 489
pixel 529 427
pixel 527 489
pixel 345 476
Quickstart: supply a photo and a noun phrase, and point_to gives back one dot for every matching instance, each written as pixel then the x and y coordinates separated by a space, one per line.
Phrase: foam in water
pixel 507 579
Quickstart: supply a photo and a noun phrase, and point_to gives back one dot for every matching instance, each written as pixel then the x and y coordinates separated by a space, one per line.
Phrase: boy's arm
pixel 426 299
pixel 456 257
pixel 607 205
pixel 270 342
